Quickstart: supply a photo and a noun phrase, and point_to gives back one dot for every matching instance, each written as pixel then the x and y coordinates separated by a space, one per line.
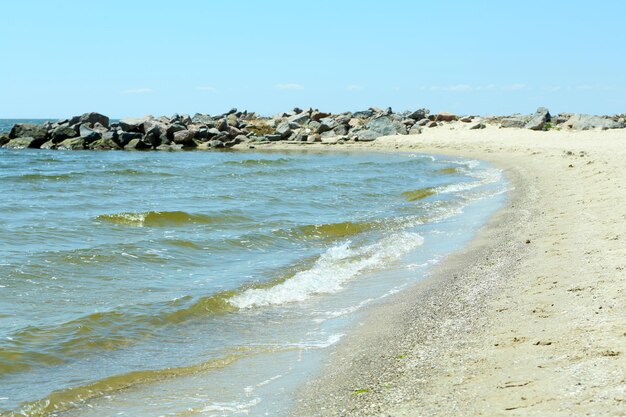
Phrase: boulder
pixel 91 119
pixel 72 144
pixel 136 145
pixel 326 124
pixel 4 139
pixel 478 126
pixel 215 144
pixel 538 120
pixel 284 130
pixel 184 137
pixel 23 143
pixel 153 138
pixel 27 130
pixel 48 145
pixel 88 134
pixel 363 114
pixel 60 133
pixel 318 115
pixel 173 128
pixel 301 118
pixel 133 124
pixel 588 122
pixel 512 122
pixel 313 138
pixel 415 130
pixel 466 119
pixel 104 144
pixel 273 138
pixel 233 132
pixel 124 138
pixel 418 114
pixel 445 117
pixel 367 135
pixel 382 125
pixel 204 119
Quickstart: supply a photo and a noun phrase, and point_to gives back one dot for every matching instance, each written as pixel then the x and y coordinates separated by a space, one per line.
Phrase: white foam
pixel 331 271
pixel 485 177
pixel 233 407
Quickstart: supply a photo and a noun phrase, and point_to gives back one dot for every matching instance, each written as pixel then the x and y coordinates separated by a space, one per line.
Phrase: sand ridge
pixel 530 319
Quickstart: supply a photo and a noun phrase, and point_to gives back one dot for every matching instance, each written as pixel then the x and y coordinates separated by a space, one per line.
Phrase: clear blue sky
pixel 131 58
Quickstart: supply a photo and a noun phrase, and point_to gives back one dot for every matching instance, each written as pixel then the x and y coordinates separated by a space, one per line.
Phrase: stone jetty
pixel 202 131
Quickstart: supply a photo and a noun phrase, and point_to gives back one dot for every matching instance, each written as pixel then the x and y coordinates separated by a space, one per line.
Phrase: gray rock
pixel 124 138
pixel 222 125
pixel 104 144
pixel 88 134
pixel 184 137
pixel 233 132
pixel 60 133
pixel 154 125
pixel 422 122
pixel 340 130
pixel 539 119
pixel 415 130
pixel 27 130
pixel 301 118
pixel 363 114
pixel 318 115
pixel 173 128
pixel 91 119
pixel 588 122
pixel 153 138
pixel 273 138
pixel 4 139
pixel 382 125
pixel 418 114
pixel 136 145
pixel 23 143
pixel 367 135
pixel 512 122
pixel 408 122
pixel 72 144
pixel 213 132
pixel 466 119
pixel 478 126
pixel 48 145
pixel 133 124
pixel 283 130
pixel 216 144
pixel 204 119
pixel 326 124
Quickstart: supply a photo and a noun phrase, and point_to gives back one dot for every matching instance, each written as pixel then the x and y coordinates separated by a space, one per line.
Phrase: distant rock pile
pixel 94 130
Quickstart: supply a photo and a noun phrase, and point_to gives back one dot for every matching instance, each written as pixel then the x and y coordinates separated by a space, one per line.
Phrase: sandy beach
pixel 529 319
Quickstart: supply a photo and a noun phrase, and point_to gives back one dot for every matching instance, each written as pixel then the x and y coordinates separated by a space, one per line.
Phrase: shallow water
pixel 207 283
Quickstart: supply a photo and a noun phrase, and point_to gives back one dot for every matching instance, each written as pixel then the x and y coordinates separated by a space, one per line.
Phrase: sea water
pixel 208 283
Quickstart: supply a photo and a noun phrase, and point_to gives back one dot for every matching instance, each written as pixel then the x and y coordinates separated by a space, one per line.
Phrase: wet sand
pixel 529 319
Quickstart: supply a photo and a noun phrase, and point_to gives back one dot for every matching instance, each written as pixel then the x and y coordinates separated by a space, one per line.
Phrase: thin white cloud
pixel 514 87
pixel 205 88
pixel 139 91
pixel 553 88
pixel 289 86
pixel 458 87
pixel 355 87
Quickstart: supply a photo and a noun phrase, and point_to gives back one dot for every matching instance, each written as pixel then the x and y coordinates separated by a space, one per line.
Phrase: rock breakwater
pixel 202 131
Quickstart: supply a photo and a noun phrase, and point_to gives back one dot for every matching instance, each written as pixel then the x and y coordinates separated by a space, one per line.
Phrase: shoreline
pixel 503 327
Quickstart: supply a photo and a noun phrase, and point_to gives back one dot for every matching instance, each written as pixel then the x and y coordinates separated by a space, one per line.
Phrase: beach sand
pixel 529 319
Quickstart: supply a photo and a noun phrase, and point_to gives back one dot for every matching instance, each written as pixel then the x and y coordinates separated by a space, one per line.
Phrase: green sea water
pixel 208 283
